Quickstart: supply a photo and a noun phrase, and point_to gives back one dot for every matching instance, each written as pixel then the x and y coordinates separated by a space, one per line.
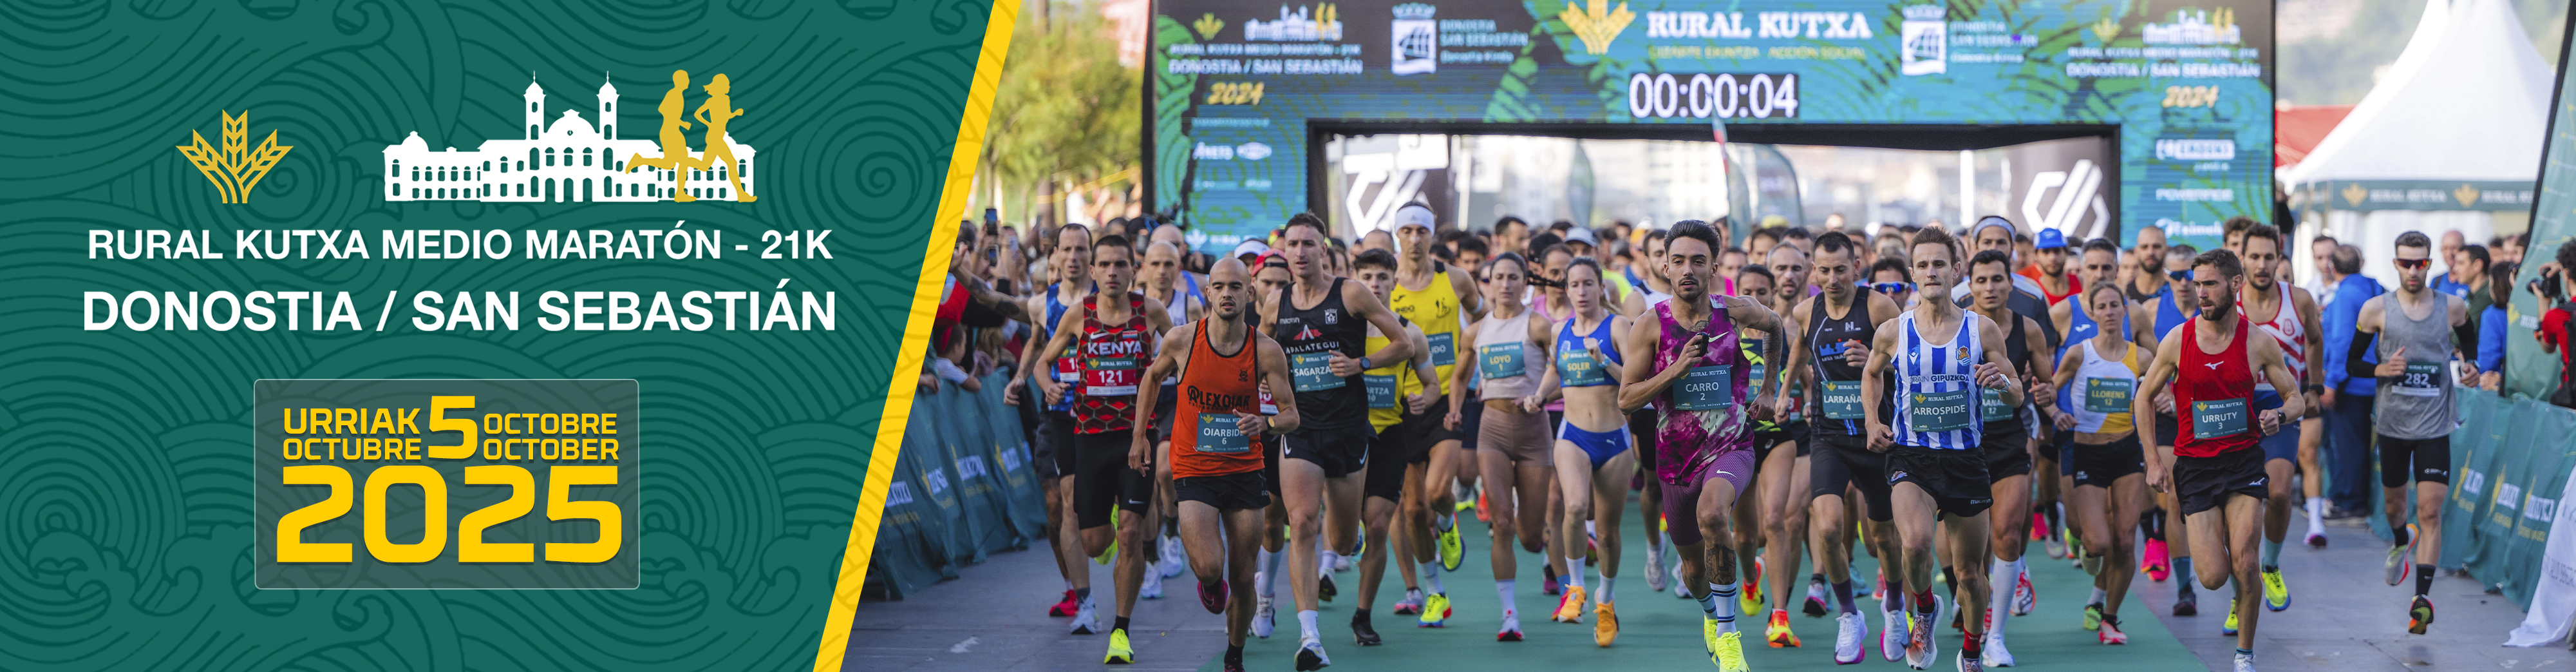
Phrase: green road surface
pixel 1661 632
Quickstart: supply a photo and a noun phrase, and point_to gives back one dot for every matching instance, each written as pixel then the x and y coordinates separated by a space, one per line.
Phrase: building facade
pixel 567 160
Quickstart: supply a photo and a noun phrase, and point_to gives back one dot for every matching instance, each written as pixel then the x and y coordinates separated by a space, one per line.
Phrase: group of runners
pixel 1311 407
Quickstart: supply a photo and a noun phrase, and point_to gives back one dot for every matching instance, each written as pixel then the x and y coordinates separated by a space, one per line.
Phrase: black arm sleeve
pixel 2360 350
pixel 2465 338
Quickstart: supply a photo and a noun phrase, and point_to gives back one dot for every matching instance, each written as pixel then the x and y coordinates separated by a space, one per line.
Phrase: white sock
pixel 1306 629
pixel 2316 513
pixel 1326 557
pixel 2000 578
pixel 1602 596
pixel 1589 528
pixel 1511 607
pixel 1724 595
pixel 1574 579
pixel 1269 573
pixel 1431 576
pixel 1440 522
pixel 2098 595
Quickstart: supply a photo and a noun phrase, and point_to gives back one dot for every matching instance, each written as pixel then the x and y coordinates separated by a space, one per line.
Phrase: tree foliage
pixel 1066 110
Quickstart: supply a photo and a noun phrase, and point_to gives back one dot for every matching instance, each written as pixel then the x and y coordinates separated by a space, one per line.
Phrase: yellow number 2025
pixel 470 546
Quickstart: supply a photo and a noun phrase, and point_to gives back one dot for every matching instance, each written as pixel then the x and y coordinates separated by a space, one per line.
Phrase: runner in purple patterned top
pixel 1696 379
pixel 1688 442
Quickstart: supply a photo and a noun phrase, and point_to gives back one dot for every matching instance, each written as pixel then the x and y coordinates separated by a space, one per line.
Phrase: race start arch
pixel 1240 94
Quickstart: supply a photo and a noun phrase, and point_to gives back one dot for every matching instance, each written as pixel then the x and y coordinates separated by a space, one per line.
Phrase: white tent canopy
pixel 2450 139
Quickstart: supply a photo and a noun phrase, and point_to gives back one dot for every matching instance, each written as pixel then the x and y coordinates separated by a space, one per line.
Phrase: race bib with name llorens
pixel 1705 388
pixel 1499 361
pixel 1937 411
pixel 1313 371
pixel 2108 395
pixel 1219 434
pixel 1381 390
pixel 2218 418
pixel 1842 400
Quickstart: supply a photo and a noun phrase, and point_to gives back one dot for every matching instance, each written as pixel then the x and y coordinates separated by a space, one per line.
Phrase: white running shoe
pixel 1264 617
pixel 1341 563
pixel 1892 639
pixel 1995 654
pixel 2025 598
pixel 1850 630
pixel 1655 570
pixel 1153 588
pixel 2244 662
pixel 1927 648
pixel 1175 558
pixel 1310 656
pixel 1087 619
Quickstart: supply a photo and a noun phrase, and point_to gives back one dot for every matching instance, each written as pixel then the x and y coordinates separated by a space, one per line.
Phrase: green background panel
pixel 124 469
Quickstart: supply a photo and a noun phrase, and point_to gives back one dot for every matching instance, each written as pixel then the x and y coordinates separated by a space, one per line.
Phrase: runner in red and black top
pixel 1323 322
pixel 1217 461
pixel 2217 470
pixel 1112 340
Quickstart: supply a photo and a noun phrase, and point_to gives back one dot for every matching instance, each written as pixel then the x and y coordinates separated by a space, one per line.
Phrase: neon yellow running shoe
pixel 1119 652
pixel 2230 627
pixel 1729 654
pixel 1435 611
pixel 2276 593
pixel 1452 551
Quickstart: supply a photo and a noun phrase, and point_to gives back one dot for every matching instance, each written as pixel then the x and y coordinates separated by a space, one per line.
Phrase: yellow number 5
pixel 559 506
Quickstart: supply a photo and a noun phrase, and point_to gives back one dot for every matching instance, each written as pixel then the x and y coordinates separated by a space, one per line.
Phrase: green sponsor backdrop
pixel 125 469
pixel 1235 87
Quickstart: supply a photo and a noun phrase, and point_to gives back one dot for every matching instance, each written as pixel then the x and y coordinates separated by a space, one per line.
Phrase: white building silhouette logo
pixel 568 160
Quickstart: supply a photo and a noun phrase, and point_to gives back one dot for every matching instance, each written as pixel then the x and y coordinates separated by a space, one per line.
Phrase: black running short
pixel 1841 461
pixel 1054 446
pixel 2418 460
pixel 1164 405
pixel 1641 431
pixel 1102 481
pixel 2099 465
pixel 1418 433
pixel 1766 440
pixel 2007 449
pixel 1226 492
pixel 1338 451
pixel 1386 452
pixel 1956 479
pixel 2202 483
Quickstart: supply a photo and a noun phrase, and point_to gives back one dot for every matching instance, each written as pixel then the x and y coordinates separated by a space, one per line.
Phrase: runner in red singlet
pixel 2217 472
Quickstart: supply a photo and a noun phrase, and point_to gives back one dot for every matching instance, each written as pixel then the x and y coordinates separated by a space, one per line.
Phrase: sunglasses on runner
pixel 1893 287
pixel 2412 264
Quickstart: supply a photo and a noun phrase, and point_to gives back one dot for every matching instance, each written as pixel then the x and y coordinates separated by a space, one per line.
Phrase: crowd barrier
pixel 963 488
pixel 2510 464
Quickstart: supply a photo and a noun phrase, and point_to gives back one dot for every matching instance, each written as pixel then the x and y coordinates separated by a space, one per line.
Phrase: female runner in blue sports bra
pixel 1593 459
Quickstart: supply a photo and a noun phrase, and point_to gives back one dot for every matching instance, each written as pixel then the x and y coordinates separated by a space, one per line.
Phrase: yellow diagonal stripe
pixel 916 336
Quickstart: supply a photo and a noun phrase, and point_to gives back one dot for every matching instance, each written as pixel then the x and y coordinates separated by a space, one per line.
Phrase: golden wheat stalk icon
pixel 1598 26
pixel 236 168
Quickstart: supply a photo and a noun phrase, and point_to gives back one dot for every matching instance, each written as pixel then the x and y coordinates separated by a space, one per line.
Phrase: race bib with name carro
pixel 1705 388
